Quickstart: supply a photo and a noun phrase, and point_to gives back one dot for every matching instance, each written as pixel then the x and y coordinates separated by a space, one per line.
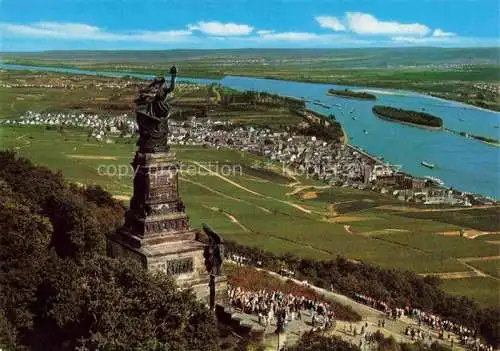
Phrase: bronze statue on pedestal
pixel 156 232
pixel 152 114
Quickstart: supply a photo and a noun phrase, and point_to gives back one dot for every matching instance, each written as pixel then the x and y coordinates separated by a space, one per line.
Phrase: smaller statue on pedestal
pixel 214 257
pixel 214 251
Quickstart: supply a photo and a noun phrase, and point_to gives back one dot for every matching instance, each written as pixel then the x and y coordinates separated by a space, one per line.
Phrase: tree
pixel 35 184
pixel 24 238
pixel 311 341
pixel 76 229
pixel 58 289
pixel 115 305
pixel 7 334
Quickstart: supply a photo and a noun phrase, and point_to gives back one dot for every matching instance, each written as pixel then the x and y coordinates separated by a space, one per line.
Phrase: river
pixel 462 163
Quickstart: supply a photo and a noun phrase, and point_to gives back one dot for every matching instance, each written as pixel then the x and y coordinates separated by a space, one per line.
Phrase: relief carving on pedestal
pixel 179 266
pixel 164 194
pixel 164 177
pixel 161 209
pixel 172 225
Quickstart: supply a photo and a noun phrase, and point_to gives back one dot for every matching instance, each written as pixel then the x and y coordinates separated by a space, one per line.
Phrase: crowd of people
pixel 242 260
pixel 417 334
pixel 269 305
pixel 445 329
pixel 370 301
pixel 466 336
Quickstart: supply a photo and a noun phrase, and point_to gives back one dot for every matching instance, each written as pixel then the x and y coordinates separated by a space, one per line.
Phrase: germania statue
pixel 152 114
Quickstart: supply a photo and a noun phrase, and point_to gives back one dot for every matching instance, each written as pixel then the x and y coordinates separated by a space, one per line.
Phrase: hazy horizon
pixel 224 24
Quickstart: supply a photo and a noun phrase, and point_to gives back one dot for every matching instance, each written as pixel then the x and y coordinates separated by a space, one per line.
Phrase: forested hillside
pixel 61 292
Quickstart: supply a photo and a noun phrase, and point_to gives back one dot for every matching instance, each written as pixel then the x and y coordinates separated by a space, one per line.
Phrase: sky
pixel 36 25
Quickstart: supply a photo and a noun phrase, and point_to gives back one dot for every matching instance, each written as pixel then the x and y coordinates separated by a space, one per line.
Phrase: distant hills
pixel 334 58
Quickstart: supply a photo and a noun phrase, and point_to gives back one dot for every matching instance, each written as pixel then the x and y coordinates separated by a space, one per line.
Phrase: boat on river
pixel 321 104
pixel 427 164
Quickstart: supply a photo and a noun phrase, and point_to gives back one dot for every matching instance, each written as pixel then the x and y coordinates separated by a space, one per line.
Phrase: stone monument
pixel 156 232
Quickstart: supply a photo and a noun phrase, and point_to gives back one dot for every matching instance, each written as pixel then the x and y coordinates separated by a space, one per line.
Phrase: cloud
pixel 79 31
pixel 330 22
pixel 308 39
pixel 56 30
pixel 289 36
pixel 416 40
pixel 264 32
pixel 442 34
pixel 450 41
pixel 221 29
pixel 366 24
pixel 357 30
pixel 160 37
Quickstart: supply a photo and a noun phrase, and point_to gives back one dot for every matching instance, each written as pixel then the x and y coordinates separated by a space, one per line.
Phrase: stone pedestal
pixel 156 232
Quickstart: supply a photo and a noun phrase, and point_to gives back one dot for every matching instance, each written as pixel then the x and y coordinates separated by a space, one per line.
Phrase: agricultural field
pixel 490 238
pixel 442 244
pixel 30 91
pixel 50 92
pixel 260 208
pixel 483 290
pixel 488 266
pixel 262 117
pixel 480 219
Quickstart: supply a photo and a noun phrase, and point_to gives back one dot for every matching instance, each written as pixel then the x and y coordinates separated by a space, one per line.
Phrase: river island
pixel 483 139
pixel 346 93
pixel 487 140
pixel 420 119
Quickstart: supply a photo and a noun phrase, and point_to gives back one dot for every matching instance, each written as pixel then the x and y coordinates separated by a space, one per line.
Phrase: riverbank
pixel 389 92
pixel 475 103
pixel 345 137
pixel 465 105
pixel 366 154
